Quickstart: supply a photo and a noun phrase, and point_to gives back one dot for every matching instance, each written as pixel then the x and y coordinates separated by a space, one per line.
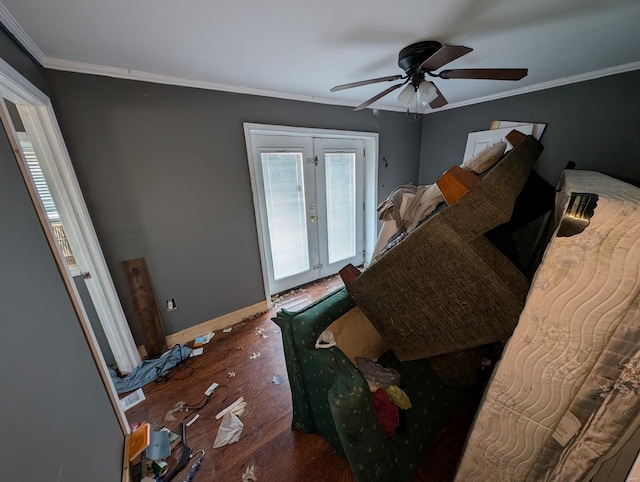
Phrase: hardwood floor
pixel 267 441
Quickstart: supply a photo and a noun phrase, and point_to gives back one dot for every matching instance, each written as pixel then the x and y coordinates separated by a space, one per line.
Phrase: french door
pixel 310 202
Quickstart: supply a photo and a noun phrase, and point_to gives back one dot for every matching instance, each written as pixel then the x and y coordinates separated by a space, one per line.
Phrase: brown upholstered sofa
pixel 446 287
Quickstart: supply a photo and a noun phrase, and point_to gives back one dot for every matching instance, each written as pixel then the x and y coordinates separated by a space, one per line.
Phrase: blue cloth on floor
pixel 149 370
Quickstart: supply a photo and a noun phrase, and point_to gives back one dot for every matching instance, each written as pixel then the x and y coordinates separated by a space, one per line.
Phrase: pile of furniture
pixel 438 299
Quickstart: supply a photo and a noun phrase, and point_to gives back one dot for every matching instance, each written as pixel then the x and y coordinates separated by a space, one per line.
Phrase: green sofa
pixel 332 398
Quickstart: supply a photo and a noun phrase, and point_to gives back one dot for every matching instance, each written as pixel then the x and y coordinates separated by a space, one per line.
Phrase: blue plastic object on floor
pixel 149 370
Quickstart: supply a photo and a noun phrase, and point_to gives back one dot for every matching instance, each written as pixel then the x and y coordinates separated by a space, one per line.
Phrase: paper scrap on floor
pixel 229 431
pixel 236 407
pixel 250 474
pixel 227 330
pixel 203 340
pixel 190 422
pixel 196 352
pixel 131 400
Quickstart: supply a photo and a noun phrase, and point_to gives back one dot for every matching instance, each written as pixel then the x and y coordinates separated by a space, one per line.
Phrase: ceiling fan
pixel 421 59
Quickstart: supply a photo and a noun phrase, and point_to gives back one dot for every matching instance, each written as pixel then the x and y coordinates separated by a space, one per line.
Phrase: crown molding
pixel 596 74
pixel 20 34
pixel 85 68
pixel 120 73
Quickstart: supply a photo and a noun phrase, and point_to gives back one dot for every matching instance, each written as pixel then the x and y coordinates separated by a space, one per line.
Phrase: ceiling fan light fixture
pixel 427 92
pixel 407 95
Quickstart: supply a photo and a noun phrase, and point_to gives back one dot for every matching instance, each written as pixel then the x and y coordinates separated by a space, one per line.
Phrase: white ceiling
pixel 299 49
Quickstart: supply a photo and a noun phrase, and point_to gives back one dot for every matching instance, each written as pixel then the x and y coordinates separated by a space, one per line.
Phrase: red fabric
pixel 387 412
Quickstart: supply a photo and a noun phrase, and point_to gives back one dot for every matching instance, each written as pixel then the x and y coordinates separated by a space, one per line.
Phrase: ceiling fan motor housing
pixel 412 56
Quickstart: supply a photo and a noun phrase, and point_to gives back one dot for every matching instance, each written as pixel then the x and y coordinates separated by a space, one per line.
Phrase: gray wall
pixel 16 56
pixel 164 172
pixel 56 416
pixel 592 123
pixel 94 320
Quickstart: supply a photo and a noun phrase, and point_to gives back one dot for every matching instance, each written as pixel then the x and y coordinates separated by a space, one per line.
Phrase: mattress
pixel 564 394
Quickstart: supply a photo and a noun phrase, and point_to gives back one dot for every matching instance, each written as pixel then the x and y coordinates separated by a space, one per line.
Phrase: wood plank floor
pixel 267 441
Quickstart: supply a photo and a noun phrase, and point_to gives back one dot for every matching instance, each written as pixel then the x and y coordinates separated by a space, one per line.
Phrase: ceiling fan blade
pixel 448 53
pixel 490 74
pixel 438 101
pixel 366 82
pixel 367 103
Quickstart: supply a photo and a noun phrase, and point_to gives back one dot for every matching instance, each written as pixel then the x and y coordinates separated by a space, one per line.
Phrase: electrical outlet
pixel 171 305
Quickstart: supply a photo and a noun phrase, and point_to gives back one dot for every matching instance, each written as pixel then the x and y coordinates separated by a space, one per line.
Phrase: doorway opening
pixel 32 129
pixel 314 193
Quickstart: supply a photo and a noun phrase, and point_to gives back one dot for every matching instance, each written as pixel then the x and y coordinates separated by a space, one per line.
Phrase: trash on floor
pixel 203 340
pixel 195 466
pixel 197 351
pixel 211 389
pixel 229 431
pixel 174 438
pixel 227 330
pixel 176 408
pixel 255 355
pixel 277 379
pixel 260 332
pixel 131 400
pixel 139 440
pixel 150 370
pixel 232 374
pixel 250 474
pixel 238 403
pixel 159 448
pixel 191 422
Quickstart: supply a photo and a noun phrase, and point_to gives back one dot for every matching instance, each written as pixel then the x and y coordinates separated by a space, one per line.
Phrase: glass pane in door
pixel 341 205
pixel 283 178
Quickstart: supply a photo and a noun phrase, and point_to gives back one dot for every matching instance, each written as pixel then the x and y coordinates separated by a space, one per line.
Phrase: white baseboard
pixel 219 323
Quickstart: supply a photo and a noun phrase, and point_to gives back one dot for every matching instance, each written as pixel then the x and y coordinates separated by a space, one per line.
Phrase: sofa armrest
pixel 310 321
pixel 330 396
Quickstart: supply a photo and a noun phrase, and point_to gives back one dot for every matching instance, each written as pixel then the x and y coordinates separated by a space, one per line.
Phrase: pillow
pixel 484 160
pixel 357 337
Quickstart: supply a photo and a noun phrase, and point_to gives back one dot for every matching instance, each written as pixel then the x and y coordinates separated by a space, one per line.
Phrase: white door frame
pixel 40 121
pixel 48 144
pixel 370 181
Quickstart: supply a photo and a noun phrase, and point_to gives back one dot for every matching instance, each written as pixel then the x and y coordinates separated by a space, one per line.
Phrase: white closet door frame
pixel 42 125
pixel 81 235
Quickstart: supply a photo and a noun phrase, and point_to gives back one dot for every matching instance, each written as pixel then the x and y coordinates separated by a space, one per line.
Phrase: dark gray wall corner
pixel 17 56
pixel 165 175
pixel 593 124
